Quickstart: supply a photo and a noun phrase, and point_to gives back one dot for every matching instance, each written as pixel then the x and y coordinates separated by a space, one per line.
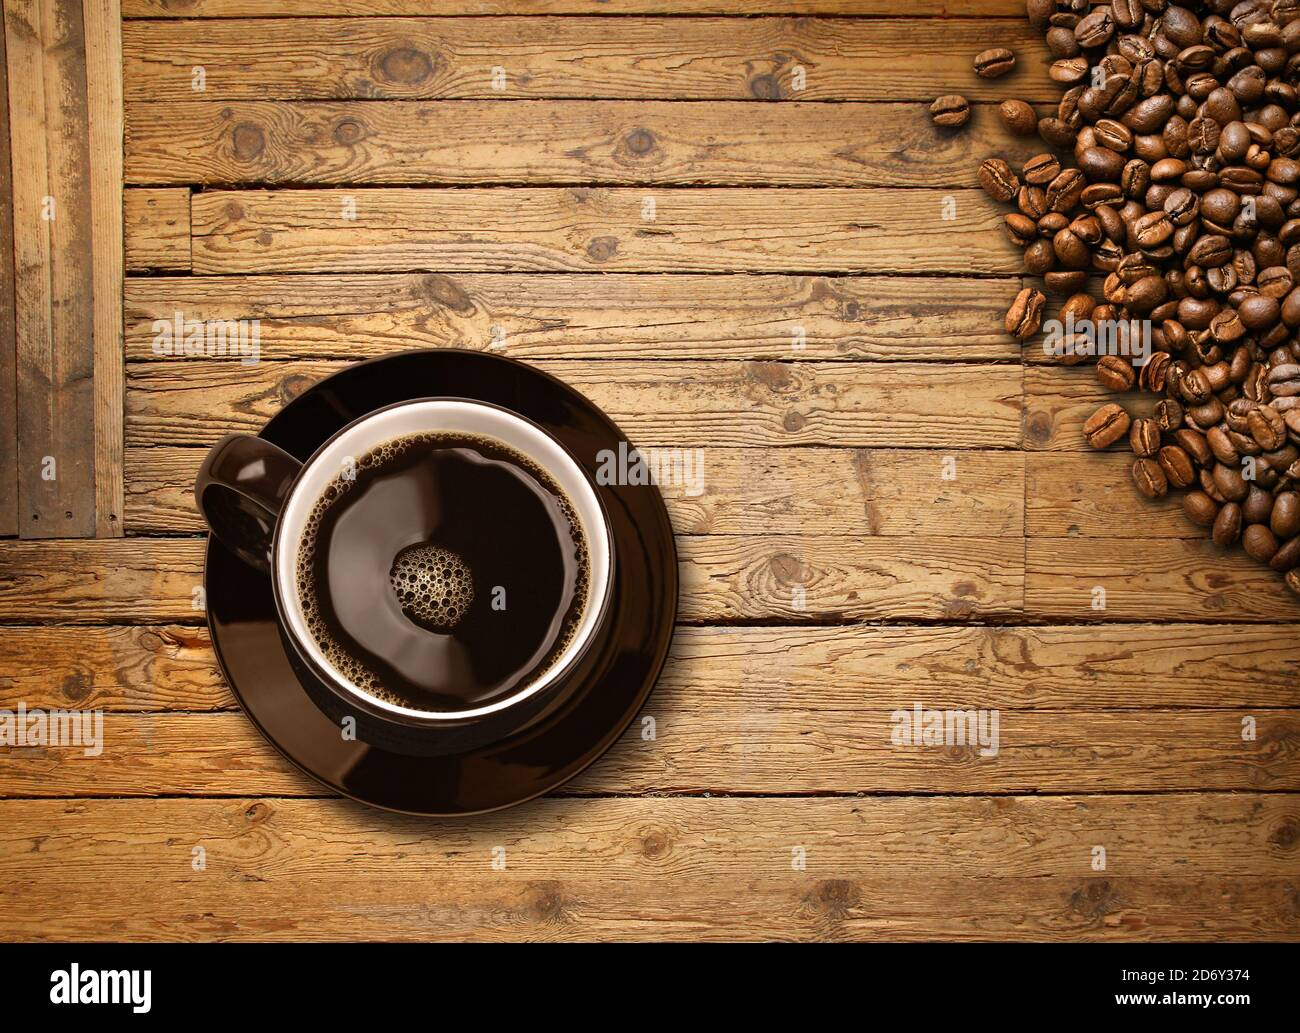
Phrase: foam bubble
pixel 433 585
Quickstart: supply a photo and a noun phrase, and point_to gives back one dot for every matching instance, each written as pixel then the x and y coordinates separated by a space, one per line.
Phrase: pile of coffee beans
pixel 1183 198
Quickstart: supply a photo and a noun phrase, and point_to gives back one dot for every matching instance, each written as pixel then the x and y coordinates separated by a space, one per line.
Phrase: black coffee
pixel 447 572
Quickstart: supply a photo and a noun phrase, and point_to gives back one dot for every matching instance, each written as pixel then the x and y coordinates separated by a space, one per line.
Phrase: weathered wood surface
pixel 1201 867
pixel 760 669
pixel 104 96
pixel 156 223
pixel 8 342
pixel 317 8
pixel 699 750
pixel 804 579
pixel 889 492
pixel 53 276
pixel 578 142
pixel 707 229
pixel 752 59
pixel 953 406
pixel 631 316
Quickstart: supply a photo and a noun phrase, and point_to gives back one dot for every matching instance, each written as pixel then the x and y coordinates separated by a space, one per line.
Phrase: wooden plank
pixel 686 404
pixel 1206 868
pixel 752 59
pixel 556 142
pixel 787 752
pixel 709 229
pixel 333 8
pixel 8 341
pixel 1091 495
pixel 157 229
pixel 1059 399
pixel 778 578
pixel 103 30
pixel 1150 580
pixel 153 668
pixel 53 279
pixel 889 492
pixel 560 316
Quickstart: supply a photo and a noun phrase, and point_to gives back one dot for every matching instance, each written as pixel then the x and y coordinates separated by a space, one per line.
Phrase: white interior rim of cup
pixel 454 415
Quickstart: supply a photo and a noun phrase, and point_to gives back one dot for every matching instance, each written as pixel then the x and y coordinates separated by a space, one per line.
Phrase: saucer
pixel 599 698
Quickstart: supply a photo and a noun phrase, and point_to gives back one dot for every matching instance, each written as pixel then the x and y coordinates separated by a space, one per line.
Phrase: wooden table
pixel 738 234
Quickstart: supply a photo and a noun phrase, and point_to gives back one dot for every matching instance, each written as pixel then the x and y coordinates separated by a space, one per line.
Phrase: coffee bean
pixel 1106 426
pixel 994 62
pixel 1293 581
pixel 1150 478
pixel 1227 525
pixel 1287 557
pixel 1259 542
pixel 1200 508
pixel 1144 437
pixel 950 111
pixel 1177 465
pixel 1025 316
pixel 1018 117
pixel 1041 169
pixel 1267 427
pixel 1116 372
pixel 997 179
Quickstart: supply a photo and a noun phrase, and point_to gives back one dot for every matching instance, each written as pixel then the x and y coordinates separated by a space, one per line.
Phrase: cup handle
pixel 239 489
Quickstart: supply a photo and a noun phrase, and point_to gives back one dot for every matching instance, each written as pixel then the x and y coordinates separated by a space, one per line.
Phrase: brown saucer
pixel 604 692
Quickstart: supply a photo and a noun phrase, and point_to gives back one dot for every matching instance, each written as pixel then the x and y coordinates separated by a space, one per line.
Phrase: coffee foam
pixel 439 581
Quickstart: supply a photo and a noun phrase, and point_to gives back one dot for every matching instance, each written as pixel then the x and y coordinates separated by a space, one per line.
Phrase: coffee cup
pixel 267 507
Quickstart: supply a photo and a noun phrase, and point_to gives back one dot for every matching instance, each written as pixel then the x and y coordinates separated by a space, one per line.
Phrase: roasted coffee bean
pixel 1287 557
pixel 1064 192
pixel 1227 525
pixel 1021 229
pixel 1258 506
pixel 1150 478
pixel 1106 426
pixel 997 179
pixel 1231 483
pixel 1293 581
pixel 1200 508
pixel 1041 169
pixel 1285 518
pixel 950 111
pixel 994 62
pixel 1259 542
pixel 1025 316
pixel 1267 427
pixel 1019 117
pixel 1168 414
pixel 1144 437
pixel 1177 465
pixel 1116 372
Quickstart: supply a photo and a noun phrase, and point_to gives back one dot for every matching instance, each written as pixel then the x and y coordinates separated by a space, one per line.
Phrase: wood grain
pixel 103 33
pixel 559 142
pixel 316 8
pixel 1151 579
pixel 752 59
pixel 709 229
pixel 725 578
pixel 169 667
pixel 689 404
pixel 156 223
pixel 888 492
pixel 53 277
pixel 1182 867
pixel 637 316
pixel 8 341
pixel 1091 495
pixel 790 752
pixel 1059 399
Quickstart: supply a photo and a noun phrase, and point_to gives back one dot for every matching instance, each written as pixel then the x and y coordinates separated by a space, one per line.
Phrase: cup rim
pixel 357 697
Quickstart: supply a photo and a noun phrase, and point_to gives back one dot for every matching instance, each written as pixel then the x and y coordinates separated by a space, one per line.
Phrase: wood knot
pixel 834 898
pixel 405 65
pixel 1095 899
pixel 546 903
pixel 76 686
pixel 602 249
pixel 789 569
pixel 640 141
pixel 1038 427
pixel 445 292
pixel 1286 834
pixel 765 87
pixel 656 844
pixel 348 132
pixel 775 376
pixel 794 421
pixel 248 141
pixel 293 385
pixel 256 813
